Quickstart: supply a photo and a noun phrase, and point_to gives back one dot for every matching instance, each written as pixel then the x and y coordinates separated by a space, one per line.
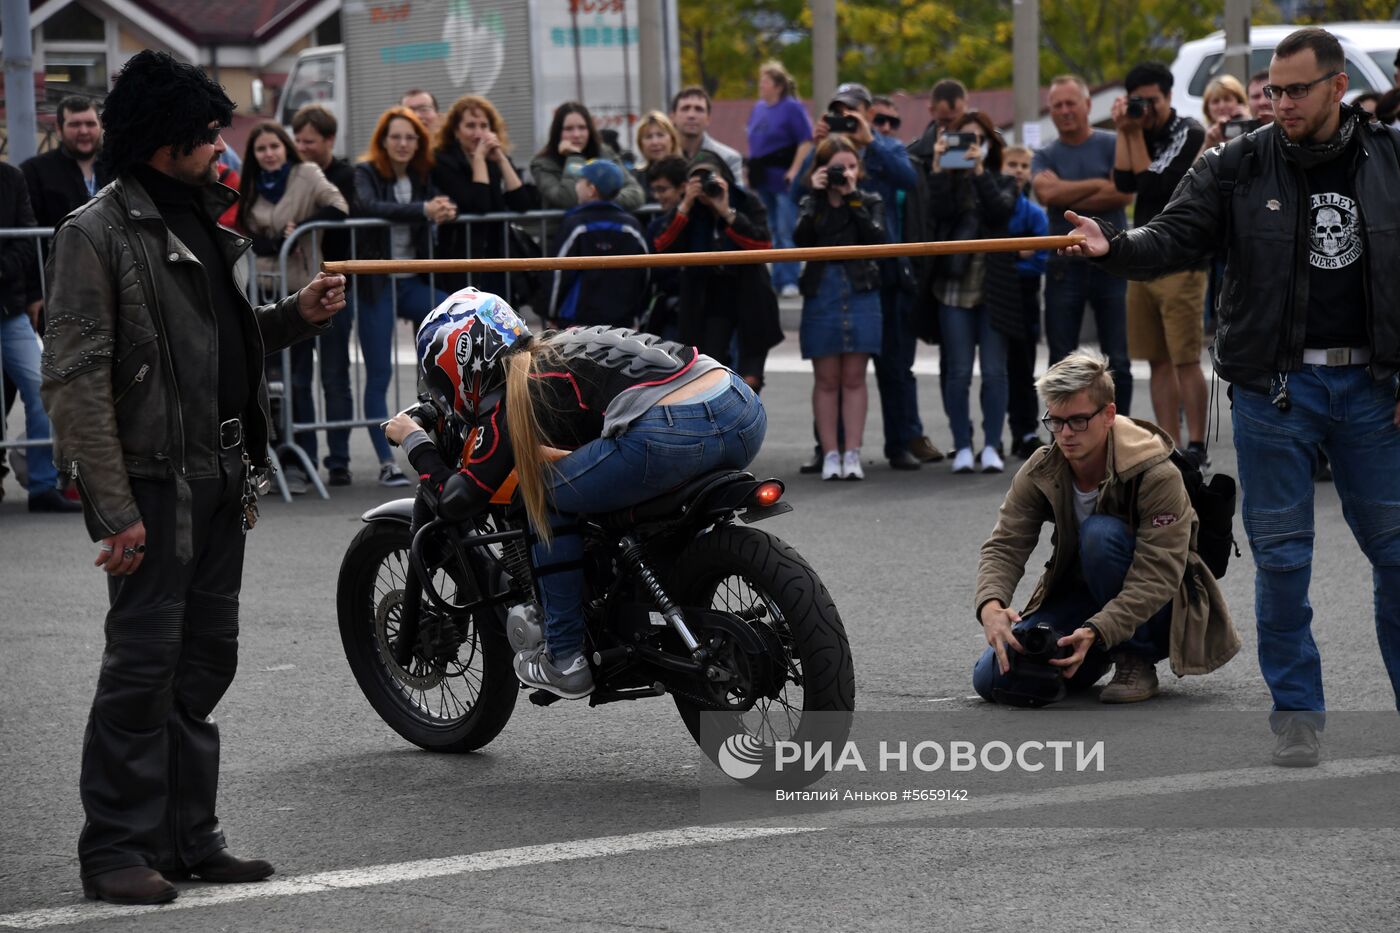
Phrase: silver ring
pixel 106 549
pixel 128 552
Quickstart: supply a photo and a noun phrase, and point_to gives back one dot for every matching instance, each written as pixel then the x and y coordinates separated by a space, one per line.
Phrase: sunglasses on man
pixel 885 119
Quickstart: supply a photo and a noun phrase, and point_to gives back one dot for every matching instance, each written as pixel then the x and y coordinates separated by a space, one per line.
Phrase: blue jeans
pixel 1352 418
pixel 415 301
pixel 894 373
pixel 1069 284
pixel 965 330
pixel 334 347
pixel 19 358
pixel 782 217
pixel 664 448
pixel 1106 544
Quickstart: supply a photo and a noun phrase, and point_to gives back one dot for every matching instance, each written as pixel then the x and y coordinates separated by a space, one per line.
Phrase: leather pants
pixel 150 771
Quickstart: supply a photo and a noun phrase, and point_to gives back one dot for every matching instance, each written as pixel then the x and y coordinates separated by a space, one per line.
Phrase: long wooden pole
pixel 718 258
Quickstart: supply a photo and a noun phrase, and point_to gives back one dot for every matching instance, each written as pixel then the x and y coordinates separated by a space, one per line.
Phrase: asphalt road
pixel 610 818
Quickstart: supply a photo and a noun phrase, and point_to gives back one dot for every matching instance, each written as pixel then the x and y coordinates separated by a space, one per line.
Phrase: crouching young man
pixel 1124 585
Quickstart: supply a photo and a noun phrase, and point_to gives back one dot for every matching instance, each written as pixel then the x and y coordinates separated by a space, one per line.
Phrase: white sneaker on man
pixel 831 465
pixel 991 460
pixel 850 465
pixel 790 291
pixel 963 461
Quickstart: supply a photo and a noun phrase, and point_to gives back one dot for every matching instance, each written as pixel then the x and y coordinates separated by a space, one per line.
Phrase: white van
pixel 1370 50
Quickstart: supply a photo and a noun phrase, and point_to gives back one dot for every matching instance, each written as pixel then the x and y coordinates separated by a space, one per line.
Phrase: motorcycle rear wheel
pixel 762 579
pixel 457 706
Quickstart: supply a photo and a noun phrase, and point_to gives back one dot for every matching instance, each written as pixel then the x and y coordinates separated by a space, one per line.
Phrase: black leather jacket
pixel 859 221
pixel 130 354
pixel 1262 232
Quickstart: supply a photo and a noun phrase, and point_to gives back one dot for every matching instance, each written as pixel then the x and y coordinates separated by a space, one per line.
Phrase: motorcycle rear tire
pixel 773 568
pixel 377 543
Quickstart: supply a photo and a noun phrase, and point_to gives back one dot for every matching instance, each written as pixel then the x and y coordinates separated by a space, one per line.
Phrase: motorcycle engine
pixel 525 626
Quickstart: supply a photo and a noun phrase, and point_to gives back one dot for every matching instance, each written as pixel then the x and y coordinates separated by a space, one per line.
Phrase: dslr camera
pixel 841 123
pixel 835 176
pixel 1038 682
pixel 1137 108
pixel 709 185
pixel 1238 127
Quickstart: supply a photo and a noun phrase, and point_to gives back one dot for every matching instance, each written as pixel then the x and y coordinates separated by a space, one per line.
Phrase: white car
pixel 1370 50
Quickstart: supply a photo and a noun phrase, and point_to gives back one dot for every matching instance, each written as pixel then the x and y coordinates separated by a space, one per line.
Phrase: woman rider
pixel 639 415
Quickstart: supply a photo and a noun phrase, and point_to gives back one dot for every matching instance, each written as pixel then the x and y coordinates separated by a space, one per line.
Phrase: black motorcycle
pixel 679 600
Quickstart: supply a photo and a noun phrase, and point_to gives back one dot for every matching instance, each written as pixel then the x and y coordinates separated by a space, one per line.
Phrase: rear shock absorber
pixel 632 555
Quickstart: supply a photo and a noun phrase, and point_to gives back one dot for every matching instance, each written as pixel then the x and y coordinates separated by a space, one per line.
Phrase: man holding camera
pixel 1310 338
pixel 1124 584
pixel 1154 150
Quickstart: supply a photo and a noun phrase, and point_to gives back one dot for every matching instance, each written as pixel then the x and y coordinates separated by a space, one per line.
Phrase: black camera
pixel 841 123
pixel 1238 127
pixel 1137 107
pixel 836 176
pixel 1038 682
pixel 710 185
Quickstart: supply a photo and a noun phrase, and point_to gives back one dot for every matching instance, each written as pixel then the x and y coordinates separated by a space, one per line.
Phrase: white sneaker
pixel 831 465
pixel 850 465
pixel 963 461
pixel 790 291
pixel 991 460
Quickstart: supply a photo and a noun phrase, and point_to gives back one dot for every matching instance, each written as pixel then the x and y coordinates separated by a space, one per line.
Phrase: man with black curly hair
pixel 153 380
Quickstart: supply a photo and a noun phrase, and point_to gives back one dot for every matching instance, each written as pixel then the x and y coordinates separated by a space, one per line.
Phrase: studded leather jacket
pixel 130 353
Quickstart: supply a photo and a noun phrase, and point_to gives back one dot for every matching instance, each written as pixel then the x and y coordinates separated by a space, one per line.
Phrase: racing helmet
pixel 462 346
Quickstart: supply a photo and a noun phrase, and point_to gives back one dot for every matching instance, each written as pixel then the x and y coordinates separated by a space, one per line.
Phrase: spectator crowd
pixel 845 179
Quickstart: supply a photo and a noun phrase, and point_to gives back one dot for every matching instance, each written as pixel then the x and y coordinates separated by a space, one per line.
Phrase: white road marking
pixel 603 847
pixel 371 875
pixel 1096 792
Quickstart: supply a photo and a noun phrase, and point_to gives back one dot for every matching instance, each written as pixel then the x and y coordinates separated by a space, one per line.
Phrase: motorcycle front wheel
pixel 444 700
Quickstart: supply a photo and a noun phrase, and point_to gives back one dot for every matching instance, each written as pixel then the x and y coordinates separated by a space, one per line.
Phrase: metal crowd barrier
pixel 262 288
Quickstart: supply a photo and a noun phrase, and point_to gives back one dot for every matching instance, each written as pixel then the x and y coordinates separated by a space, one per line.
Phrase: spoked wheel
pixel 766 584
pixel 457 690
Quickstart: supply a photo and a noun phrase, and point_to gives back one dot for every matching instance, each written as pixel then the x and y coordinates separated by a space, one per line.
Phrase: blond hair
pixel 1018 150
pixel 527 437
pixel 1084 370
pixel 1222 86
pixel 657 118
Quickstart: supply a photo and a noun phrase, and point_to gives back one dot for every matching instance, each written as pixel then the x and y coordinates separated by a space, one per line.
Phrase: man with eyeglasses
pixel 1309 335
pixel 1124 585
pixel 1155 148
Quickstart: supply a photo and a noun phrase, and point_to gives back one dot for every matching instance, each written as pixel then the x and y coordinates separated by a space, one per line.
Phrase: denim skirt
pixel 838 320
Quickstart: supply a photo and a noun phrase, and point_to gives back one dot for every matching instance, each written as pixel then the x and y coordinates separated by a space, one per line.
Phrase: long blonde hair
pixel 526 436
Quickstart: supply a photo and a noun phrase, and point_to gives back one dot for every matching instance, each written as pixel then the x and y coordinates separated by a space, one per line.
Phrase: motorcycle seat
pixel 673 502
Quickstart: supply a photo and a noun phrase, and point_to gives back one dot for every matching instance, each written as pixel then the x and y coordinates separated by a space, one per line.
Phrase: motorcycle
pixel 682 598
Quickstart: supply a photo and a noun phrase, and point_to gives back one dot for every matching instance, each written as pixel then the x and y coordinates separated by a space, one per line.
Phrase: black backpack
pixel 1214 503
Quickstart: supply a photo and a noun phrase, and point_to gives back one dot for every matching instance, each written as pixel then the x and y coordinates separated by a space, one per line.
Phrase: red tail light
pixel 768 493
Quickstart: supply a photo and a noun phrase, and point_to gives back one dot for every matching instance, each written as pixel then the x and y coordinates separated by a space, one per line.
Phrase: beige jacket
pixel 307 192
pixel 1165 564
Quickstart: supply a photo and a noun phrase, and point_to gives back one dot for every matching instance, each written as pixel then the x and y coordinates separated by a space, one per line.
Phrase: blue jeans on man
pixel 968 333
pixel 19 359
pixel 1351 417
pixel 1069 285
pixel 334 349
pixel 1106 547
pixel 410 298
pixel 664 448
pixel 782 218
pixel 894 372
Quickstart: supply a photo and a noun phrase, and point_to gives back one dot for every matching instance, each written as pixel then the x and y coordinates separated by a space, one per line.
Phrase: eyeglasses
pixel 1076 423
pixel 890 121
pixel 1295 91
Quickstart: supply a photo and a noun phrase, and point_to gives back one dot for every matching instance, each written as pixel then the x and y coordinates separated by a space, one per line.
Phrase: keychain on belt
pixel 1281 400
pixel 251 489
